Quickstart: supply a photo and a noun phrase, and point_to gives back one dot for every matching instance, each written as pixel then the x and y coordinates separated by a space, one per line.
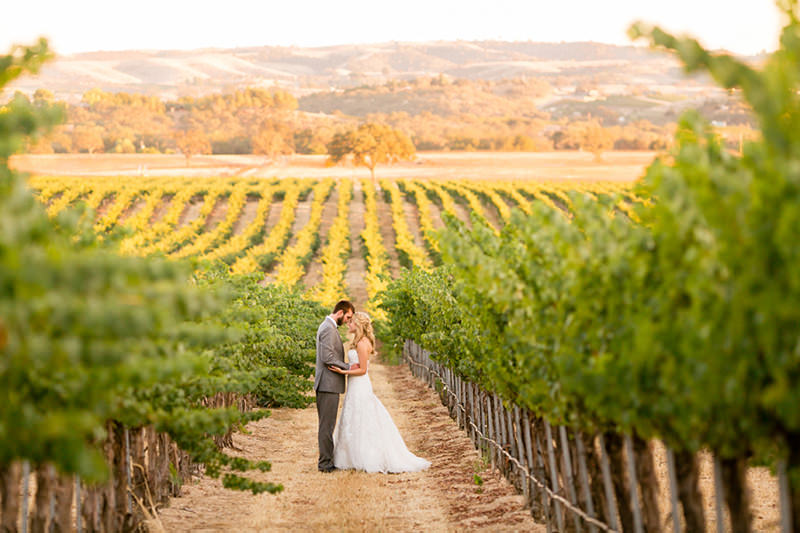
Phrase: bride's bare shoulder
pixel 365 344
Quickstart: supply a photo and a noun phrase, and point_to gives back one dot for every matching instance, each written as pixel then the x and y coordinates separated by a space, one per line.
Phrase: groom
pixel 327 384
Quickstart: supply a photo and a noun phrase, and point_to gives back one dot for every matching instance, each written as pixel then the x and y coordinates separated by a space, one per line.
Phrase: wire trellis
pixel 487 421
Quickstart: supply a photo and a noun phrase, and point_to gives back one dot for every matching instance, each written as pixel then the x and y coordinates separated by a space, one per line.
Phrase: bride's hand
pixel 336 369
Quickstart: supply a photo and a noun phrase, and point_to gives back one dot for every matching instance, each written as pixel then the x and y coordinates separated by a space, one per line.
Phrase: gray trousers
pixel 327 406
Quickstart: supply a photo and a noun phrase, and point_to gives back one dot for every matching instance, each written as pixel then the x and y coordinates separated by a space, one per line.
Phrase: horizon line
pixel 381 43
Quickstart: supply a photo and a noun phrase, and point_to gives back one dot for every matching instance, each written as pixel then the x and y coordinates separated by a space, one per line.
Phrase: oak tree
pixel 191 142
pixel 371 144
pixel 271 140
pixel 86 138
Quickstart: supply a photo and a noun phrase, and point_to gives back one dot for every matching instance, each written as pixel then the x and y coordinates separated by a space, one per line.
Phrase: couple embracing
pixel 366 437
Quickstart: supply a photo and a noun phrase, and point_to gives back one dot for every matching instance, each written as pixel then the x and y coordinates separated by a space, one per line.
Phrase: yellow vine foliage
pixel 277 236
pixel 334 256
pixel 292 261
pixel 404 241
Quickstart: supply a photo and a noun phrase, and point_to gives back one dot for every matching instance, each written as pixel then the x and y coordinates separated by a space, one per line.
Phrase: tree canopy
pixel 371 144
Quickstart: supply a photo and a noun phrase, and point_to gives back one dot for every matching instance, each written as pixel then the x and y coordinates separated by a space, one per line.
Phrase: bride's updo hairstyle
pixel 363 326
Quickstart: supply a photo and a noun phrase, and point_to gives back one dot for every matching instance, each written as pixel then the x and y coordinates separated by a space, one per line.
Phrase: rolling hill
pixel 170 74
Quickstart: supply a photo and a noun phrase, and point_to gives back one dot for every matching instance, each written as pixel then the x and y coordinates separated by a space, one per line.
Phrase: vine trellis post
pixel 542 461
pixel 59 502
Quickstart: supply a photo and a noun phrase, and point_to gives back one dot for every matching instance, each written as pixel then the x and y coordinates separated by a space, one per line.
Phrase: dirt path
pixel 412 219
pixel 356 264
pixel 133 208
pixel 387 233
pixel 509 201
pixel 443 498
pixel 302 215
pixel 492 214
pixel 217 214
pixel 274 215
pixel 191 211
pixel 162 208
pixel 436 216
pixel 248 215
pixel 462 210
pixel 105 205
pixel 330 209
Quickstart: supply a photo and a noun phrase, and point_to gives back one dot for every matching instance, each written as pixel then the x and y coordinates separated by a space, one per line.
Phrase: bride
pixel 366 437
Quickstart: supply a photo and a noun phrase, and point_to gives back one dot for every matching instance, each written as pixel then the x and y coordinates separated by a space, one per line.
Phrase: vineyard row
pixel 256 226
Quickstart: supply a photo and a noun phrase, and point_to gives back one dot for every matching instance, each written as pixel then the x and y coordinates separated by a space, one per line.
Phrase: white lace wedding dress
pixel 366 437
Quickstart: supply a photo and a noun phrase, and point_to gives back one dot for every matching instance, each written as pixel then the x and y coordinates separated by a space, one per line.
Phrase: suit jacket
pixel 330 352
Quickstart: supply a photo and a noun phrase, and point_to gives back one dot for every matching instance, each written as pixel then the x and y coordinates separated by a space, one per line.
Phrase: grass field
pixel 615 166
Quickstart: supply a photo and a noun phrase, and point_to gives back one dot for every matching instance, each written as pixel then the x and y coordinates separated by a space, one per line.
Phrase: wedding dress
pixel 366 437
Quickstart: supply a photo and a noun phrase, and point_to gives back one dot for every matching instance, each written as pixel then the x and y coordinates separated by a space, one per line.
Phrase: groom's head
pixel 343 311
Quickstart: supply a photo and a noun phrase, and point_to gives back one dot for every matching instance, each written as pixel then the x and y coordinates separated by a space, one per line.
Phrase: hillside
pixel 440 96
pixel 302 71
pixel 459 95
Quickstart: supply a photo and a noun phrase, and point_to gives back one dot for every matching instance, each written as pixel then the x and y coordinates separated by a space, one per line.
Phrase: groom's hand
pixel 354 366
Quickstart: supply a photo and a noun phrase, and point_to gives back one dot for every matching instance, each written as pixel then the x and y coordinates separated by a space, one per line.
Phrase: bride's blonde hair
pixel 363 329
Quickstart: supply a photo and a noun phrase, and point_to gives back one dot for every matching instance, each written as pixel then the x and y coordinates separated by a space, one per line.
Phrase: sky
pixel 72 26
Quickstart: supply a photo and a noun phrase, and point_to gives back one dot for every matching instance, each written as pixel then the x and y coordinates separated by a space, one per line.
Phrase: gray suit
pixel 328 385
